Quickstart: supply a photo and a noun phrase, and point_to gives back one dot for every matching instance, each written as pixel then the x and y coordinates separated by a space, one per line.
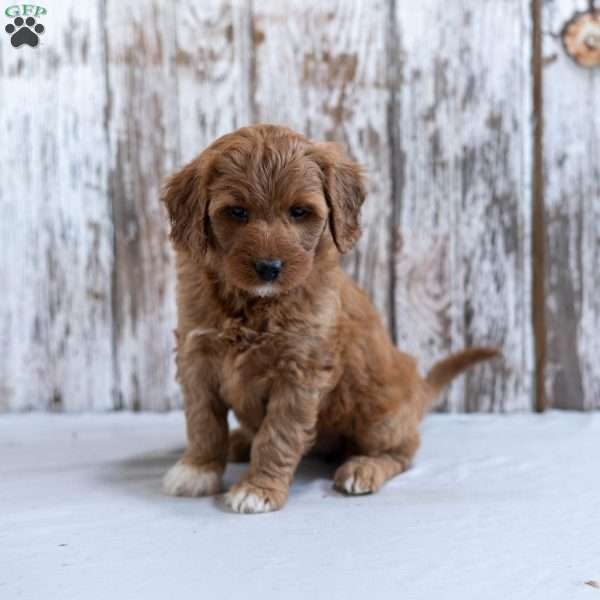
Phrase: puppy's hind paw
pixel 248 498
pixel 358 476
pixel 183 479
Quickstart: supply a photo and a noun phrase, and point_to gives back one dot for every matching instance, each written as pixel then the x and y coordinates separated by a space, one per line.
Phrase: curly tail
pixel 444 371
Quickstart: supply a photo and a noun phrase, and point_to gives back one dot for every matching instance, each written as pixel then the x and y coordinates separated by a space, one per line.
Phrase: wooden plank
pixel 538 233
pixel 437 113
pixel 320 68
pixel 572 198
pixel 143 131
pixel 212 60
pixel 56 259
pixel 213 71
pixel 462 137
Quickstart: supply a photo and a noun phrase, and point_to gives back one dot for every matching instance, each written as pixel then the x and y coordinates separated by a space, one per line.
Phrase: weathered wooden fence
pixel 479 134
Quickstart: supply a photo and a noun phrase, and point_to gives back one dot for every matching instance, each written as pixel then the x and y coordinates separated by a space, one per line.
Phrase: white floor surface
pixel 504 507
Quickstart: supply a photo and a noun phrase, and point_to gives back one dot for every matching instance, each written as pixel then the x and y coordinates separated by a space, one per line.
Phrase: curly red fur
pixel 304 361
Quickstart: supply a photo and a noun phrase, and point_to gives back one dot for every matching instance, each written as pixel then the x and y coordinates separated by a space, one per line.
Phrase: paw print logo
pixel 24 32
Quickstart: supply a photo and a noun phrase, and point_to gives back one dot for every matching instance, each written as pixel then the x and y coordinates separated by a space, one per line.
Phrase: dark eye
pixel 297 212
pixel 238 213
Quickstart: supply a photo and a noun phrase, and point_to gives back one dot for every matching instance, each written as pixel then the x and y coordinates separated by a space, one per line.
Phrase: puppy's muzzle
pixel 268 270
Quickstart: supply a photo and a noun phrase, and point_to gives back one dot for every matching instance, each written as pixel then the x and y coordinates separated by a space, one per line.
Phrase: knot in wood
pixel 581 38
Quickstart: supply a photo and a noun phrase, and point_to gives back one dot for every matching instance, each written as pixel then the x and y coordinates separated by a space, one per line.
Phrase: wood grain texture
pixel 572 198
pixel 142 123
pixel 320 68
pixel 56 259
pixel 434 98
pixel 213 72
pixel 462 113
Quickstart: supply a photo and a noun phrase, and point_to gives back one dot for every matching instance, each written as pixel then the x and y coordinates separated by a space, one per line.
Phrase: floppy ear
pixel 343 182
pixel 185 195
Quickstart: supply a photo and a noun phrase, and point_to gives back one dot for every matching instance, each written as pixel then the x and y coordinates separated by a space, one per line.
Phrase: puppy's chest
pixel 248 362
pixel 247 372
pixel 248 357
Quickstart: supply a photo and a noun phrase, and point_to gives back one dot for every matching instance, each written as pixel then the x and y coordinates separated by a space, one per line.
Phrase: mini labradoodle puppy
pixel 270 327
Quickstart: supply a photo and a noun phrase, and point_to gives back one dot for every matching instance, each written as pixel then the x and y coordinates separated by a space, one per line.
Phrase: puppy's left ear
pixel 185 194
pixel 344 186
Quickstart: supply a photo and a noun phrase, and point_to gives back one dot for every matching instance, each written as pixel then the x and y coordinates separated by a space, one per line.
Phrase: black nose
pixel 268 270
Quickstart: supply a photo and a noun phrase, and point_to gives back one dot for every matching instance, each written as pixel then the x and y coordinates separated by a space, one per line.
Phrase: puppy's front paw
pixel 358 476
pixel 246 497
pixel 183 479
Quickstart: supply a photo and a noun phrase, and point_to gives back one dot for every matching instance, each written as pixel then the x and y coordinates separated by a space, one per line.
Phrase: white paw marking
pixel 187 480
pixel 242 501
pixel 353 486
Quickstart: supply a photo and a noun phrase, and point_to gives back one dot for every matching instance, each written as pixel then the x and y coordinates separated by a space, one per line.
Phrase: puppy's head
pixel 262 203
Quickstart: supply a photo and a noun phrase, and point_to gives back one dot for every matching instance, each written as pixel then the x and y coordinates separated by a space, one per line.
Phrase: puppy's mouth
pixel 266 290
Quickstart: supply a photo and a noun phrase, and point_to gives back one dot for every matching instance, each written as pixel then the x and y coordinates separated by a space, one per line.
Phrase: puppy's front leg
pixel 198 472
pixel 286 433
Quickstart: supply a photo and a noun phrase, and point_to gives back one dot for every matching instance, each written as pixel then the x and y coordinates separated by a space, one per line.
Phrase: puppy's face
pixel 261 204
pixel 266 229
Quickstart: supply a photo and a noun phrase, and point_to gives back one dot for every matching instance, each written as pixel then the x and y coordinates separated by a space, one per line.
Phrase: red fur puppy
pixel 270 327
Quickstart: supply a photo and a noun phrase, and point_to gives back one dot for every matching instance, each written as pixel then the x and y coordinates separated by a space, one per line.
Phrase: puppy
pixel 269 326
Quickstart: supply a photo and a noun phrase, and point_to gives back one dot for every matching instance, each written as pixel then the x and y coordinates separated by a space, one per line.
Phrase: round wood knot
pixel 581 38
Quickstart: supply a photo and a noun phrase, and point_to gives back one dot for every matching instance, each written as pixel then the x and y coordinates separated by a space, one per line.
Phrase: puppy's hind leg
pixel 240 445
pixel 365 474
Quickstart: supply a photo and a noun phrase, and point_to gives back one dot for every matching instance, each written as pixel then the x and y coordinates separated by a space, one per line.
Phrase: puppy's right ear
pixel 344 187
pixel 185 195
